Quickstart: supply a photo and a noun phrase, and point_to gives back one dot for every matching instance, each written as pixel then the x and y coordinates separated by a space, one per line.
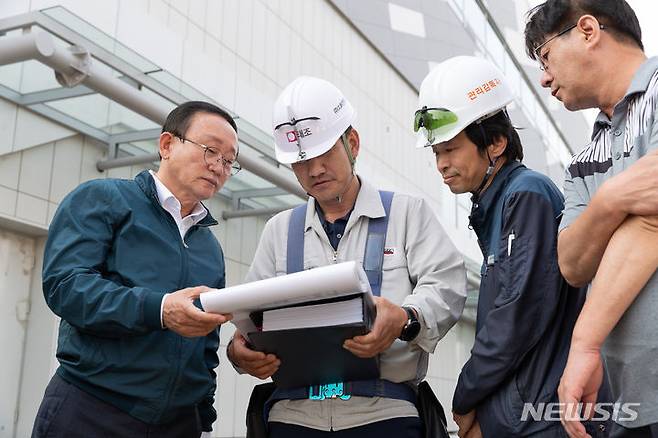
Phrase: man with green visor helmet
pixel 526 311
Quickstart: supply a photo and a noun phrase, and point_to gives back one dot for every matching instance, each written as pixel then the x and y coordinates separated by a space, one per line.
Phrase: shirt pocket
pixel 394 258
pixel 396 285
pixel 511 268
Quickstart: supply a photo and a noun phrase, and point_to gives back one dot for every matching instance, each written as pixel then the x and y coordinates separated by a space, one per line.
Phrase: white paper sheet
pixel 310 285
pixel 317 315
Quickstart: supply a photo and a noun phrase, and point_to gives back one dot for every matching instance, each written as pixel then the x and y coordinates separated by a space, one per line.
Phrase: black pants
pixel 650 431
pixel 405 427
pixel 68 412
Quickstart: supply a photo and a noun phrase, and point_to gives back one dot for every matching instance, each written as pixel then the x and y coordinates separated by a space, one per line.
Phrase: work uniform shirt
pixel 173 206
pixel 422 269
pixel 630 349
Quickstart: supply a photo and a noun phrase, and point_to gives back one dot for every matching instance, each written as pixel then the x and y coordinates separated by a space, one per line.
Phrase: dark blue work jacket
pixel 526 310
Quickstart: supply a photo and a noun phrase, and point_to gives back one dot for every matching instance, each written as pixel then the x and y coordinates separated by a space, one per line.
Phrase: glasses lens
pixel 235 168
pixel 211 156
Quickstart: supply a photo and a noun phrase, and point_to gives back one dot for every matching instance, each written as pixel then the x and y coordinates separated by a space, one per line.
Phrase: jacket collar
pixel 480 209
pixel 368 204
pixel 145 182
pixel 639 84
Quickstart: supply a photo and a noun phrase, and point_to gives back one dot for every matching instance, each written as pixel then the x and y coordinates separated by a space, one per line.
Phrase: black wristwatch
pixel 412 327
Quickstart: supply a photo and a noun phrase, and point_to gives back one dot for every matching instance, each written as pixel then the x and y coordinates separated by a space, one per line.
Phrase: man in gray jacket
pixel 423 278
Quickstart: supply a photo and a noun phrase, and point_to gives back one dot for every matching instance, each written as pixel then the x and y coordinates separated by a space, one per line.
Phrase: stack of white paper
pixel 316 315
pixel 317 284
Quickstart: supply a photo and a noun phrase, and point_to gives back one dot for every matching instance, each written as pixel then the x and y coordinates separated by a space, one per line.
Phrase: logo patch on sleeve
pixel 389 251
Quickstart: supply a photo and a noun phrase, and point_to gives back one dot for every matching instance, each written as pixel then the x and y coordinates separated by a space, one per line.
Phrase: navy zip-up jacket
pixel 526 310
pixel 111 255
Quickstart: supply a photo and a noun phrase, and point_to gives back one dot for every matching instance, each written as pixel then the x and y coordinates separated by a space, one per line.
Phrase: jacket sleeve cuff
pixel 152 306
pixel 460 410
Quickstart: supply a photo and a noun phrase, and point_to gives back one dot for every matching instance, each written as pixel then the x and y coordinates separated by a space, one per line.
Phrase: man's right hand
pixel 255 363
pixel 179 314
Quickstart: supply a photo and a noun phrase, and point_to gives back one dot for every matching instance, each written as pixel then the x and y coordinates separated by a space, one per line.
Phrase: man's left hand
pixel 580 383
pixel 388 325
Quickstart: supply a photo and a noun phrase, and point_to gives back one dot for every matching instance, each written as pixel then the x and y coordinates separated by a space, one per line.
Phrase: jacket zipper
pixel 178 341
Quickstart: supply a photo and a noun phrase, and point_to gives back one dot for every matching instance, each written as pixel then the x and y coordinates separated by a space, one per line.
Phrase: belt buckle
pixel 328 390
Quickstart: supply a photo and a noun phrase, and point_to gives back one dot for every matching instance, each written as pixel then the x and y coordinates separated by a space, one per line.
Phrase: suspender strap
pixel 375 240
pixel 374 254
pixel 296 231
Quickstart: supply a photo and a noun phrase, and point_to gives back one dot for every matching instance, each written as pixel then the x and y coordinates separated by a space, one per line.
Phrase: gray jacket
pixel 422 269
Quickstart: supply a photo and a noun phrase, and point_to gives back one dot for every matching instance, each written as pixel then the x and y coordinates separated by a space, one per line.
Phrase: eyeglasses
pixel 212 156
pixel 543 59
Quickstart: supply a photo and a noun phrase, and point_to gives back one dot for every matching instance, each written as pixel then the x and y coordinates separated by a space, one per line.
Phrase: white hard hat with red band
pixel 456 93
pixel 309 116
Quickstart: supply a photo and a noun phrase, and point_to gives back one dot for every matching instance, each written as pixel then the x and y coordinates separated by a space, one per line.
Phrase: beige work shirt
pixel 422 269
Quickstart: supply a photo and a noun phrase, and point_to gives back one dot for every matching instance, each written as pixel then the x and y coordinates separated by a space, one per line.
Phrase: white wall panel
pixel 36 169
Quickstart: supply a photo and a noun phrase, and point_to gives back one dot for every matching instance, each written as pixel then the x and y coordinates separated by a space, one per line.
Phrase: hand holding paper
pixel 300 317
pixel 326 282
pixel 388 324
pixel 180 315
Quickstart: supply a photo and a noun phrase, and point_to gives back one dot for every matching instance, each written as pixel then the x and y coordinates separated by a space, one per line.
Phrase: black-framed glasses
pixel 212 156
pixel 543 59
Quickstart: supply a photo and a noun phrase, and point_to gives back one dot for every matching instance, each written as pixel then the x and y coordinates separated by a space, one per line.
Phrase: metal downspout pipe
pixel 74 66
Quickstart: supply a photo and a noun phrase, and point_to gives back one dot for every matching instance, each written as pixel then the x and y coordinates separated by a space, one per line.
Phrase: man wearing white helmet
pixel 421 281
pixel 525 309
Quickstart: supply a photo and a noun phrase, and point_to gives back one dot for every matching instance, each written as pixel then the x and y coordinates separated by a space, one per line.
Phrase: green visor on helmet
pixel 433 119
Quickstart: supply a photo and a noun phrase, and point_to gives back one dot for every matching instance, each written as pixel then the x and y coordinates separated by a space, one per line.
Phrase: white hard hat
pixel 309 116
pixel 456 93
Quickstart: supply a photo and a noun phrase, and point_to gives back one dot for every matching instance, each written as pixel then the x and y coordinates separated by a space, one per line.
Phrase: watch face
pixel 410 331
pixel 412 328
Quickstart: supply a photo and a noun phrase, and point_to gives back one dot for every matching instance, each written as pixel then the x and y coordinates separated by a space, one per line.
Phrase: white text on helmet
pixel 484 88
